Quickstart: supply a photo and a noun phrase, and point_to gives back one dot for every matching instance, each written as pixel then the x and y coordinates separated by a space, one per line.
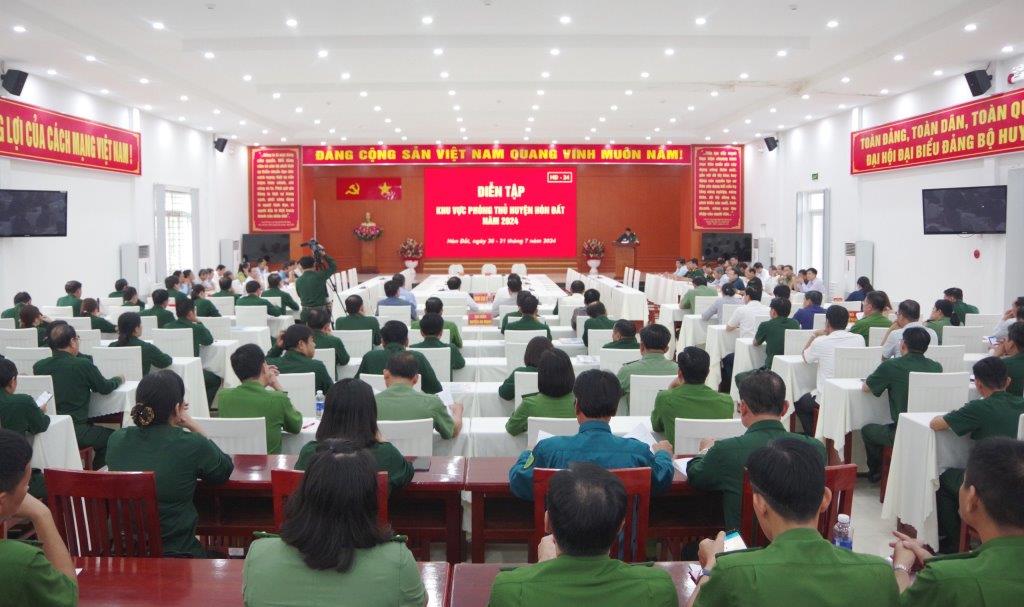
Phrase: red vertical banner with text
pixel 718 187
pixel 274 175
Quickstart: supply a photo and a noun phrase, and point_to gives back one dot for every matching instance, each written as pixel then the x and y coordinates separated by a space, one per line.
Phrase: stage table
pixel 665 290
pixel 124 582
pixel 217 359
pixel 120 400
pixel 694 331
pixel 57 447
pixel 800 377
pixel 621 301
pixel 747 358
pixel 720 342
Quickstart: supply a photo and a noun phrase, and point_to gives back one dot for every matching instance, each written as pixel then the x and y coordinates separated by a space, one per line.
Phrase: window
pixel 178 231
pixel 812 230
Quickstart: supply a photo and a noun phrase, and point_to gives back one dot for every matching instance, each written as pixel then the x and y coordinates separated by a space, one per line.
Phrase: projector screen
pixel 500 212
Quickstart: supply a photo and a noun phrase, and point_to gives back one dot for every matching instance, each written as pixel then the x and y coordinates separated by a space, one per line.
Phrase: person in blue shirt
pixel 597 394
pixel 392 299
pixel 812 306
pixel 863 288
pixel 404 293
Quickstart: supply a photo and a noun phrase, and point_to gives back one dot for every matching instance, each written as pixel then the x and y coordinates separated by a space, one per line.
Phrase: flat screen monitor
pixel 33 213
pixel 726 244
pixel 255 246
pixel 977 210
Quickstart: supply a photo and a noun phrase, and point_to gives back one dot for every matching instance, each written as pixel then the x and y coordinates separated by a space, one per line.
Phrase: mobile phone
pixel 993 340
pixel 733 541
pixel 421 464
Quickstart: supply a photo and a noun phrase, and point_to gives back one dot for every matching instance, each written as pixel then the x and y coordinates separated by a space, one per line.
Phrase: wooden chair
pixel 286 482
pixel 630 546
pixel 839 479
pixel 105 513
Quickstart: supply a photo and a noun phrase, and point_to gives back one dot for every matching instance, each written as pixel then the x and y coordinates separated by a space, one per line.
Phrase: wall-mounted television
pixel 976 210
pixel 255 246
pixel 726 244
pixel 33 213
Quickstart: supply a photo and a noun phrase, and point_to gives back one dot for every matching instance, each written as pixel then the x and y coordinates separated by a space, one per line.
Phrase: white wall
pixel 108 209
pixel 885 207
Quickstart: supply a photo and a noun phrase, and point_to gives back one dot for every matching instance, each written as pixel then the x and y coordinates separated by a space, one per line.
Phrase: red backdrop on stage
pixel 500 212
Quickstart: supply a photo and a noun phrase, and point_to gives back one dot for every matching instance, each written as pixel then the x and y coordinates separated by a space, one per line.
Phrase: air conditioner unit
pixel 764 250
pixel 230 253
pixel 859 260
pixel 137 266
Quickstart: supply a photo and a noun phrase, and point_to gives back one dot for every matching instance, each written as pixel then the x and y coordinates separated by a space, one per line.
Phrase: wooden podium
pixel 368 256
pixel 625 255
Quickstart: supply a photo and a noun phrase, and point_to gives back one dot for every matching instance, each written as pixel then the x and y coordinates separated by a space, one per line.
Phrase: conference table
pixel 693 331
pixel 541 285
pixel 138 582
pixel 471 582
pixel 120 400
pixel 747 357
pixel 57 447
pixel 621 301
pixel 719 343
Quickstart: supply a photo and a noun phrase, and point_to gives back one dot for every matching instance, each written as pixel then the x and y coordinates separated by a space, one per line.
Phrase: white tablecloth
pixel 57 447
pixel 495 348
pixel 291 444
pixel 694 331
pixel 495 369
pixel 719 343
pixel 798 375
pixel 748 357
pixel 490 333
pixel 120 400
pixel 919 456
pixel 487 436
pixel 252 335
pixel 190 369
pixel 665 290
pixel 217 359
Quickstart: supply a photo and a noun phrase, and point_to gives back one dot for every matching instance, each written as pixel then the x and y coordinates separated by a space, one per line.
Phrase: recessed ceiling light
pixel 427 20
pixel 247 77
pixel 898 57
pixel 884 91
pixel 586 138
pixel 158 25
pixel 593 129
pixel 805 96
pixel 614 108
pixel 648 138
pixel 772 110
pixel 714 93
pixel 404 138
pixel 208 55
pixel 611 141
pixel 601 118
pixel 437 142
pixel 183 98
pixel 451 92
pixel 657 129
pixel 462 129
pixel 707 137
pixel 322 53
pixel 387 121
pixel 528 129
pixel 808 117
pixel 554 142
pixel 725 130
pixel 746 121
pixel 147 107
pixel 51 72
pixel 701 21
pixel 782 126
pixel 398 129
pixel 104 92
pixel 256 144
pixel 343 138
pixel 376 108
pixel 458 119
pixel 234 136
pixel 545 74
pixel 242 123
pixel 628 92
pixel 529 118
pixel 832 24
pixel 744 75
pixel 332 130
pixel 845 80
pixel 316 121
pixel 645 74
pixel 143 80
pixel 265 131
pixel 970 27
pixel 735 142
pixel 669 52
pixel 438 51
pixel 669 142
pixel 345 75
pixel 555 52
pixel 181 119
pixel 444 74
pixel 209 128
pixel 540 92
pixel 565 19
pixel 380 142
pixel 1008 48
pixel 937 73
pixel 291 22
pixel 275 95
pixel 216 111
pixel 298 109
pixel 363 93
pixel 464 138
pixel 19 29
pixel 323 143
pixel 841 106
pixel 456 107
pixel 781 52
pixel 757 134
pixel 690 108
pixel 283 139
pixel 672 120
pixel 90 58
pixel 535 107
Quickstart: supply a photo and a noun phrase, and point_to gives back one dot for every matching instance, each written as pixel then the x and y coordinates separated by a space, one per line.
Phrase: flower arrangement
pixel 593 249
pixel 368 232
pixel 411 249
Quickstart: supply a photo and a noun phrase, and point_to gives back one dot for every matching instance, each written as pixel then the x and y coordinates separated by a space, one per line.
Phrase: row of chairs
pixel 487 269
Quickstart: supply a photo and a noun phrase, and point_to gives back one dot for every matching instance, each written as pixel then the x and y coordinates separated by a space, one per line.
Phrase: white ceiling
pixel 495 52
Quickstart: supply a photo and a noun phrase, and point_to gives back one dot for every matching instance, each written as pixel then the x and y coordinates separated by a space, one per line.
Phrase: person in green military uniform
pixel 720 463
pixel 395 336
pixel 1012 350
pixel 894 375
pixel 159 309
pixel 585 509
pixel 955 296
pixel 75 378
pixel 874 315
pixel 529 322
pixel 941 317
pixel 575 297
pixel 299 348
pixel 772 333
pixel 311 287
pixel 623 336
pixel 399 401
pixel 597 319
pixel 91 310
pixel 350 413
pixel 334 506
pixel 169 443
pixel 41 572
pixel 356 319
pixel 535 348
pixel 554 397
pixel 129 333
pixel 990 503
pixel 319 321
pixel 597 396
pixel 996 413
pixel 73 299
pixel 654 343
pixel 694 270
pixel 171 283
pixel 431 326
pixel 799 568
pixel 131 298
pixel 688 397
pixel 225 287
pixel 200 298
pixel 32 318
pixel 21 298
pixel 20 413
pixel 119 287
pixel 512 316
pixel 434 305
pixel 274 290
pixel 700 289
pixel 252 399
pixel 201 336
pixel 252 298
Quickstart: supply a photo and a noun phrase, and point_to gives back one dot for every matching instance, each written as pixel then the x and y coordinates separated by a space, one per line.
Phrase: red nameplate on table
pixel 480 318
pixel 483 297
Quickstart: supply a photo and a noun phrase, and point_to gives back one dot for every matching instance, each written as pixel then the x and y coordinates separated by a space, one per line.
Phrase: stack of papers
pixel 680 464
pixel 43 398
pixel 570 341
pixel 586 359
pixel 446 397
pixel 642 434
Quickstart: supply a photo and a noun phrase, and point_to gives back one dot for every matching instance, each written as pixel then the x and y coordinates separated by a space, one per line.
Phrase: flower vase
pixel 594 264
pixel 411 263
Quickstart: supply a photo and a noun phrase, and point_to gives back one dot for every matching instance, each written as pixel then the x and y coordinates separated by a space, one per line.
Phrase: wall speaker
pixel 979 81
pixel 220 143
pixel 771 143
pixel 13 81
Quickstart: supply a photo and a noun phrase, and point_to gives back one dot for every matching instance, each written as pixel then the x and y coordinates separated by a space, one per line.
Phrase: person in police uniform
pixel 274 290
pixel 201 336
pixel 431 326
pixel 395 336
pixel 598 319
pixel 400 401
pixel 623 336
pixel 356 319
pixel 688 397
pixel 252 399
pixel 654 343
pixel 311 287
pixel 434 305
pixel 171 283
pixel 298 346
pixel 252 298
pixel 201 298
pixel 119 286
pixel 159 309
pixel 800 567
pixel 991 503
pixel 91 310
pixel 996 413
pixel 528 322
pixel 586 506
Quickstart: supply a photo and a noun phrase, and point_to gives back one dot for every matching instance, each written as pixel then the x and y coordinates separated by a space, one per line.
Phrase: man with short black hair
pixel 874 315
pixel 435 305
pixel 319 321
pixel 171 284
pixel 893 375
pixel 1013 357
pixel 597 319
pixel 252 399
pixel 623 336
pixel 586 507
pixel 728 297
pixel 811 306
pixel 513 285
pixel 719 465
pixel 404 293
pixel 812 282
pixel 225 288
pixel 299 348
pixel 253 290
pixel 772 333
pixel 454 285
pixel 654 343
pixel 575 297
pixel 395 338
pixel 529 321
pixel 787 479
pixel 431 326
pixel 311 287
pixel 597 396
pixel 400 401
pixel 73 299
pixel 20 413
pixel 688 397
pixel 159 309
pixel 589 297
pixel 991 499
pixel 274 290
pixel 821 349
pixel 201 336
pixel 955 296
pixel 700 289
pixel 357 320
pixel 391 298
pixel 119 286
pixel 908 315
pixel 21 298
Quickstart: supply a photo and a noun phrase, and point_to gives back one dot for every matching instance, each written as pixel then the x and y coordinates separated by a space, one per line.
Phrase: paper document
pixel 680 464
pixel 43 398
pixel 446 397
pixel 642 434
pixel 541 435
pixel 586 359
pixel 570 341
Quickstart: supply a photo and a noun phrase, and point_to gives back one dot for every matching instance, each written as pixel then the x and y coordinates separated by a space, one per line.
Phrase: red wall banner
pixel 983 127
pixel 369 188
pixel 500 213
pixel 718 187
pixel 494 154
pixel 34 133
pixel 274 189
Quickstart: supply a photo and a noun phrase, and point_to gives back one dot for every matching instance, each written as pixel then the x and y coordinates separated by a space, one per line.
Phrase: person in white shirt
pixel 454 285
pixel 681 268
pixel 1012 315
pixel 908 315
pixel 761 272
pixel 715 309
pixel 573 300
pixel 508 295
pixel 745 319
pixel 813 283
pixel 821 349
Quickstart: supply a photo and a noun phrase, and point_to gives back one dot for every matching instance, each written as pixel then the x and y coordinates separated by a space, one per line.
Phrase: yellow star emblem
pixel 385 188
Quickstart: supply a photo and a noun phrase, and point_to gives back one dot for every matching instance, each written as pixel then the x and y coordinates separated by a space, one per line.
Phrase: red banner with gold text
pixel 718 187
pixel 35 133
pixel 274 189
pixel 495 154
pixel 983 127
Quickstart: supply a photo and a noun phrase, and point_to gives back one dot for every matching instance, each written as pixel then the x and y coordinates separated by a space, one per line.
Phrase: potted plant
pixel 411 252
pixel 593 250
pixel 368 232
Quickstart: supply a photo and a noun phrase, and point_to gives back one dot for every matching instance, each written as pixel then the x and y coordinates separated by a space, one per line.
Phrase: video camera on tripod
pixel 317 250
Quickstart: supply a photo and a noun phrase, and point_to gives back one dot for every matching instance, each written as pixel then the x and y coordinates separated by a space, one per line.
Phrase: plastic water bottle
pixel 319 407
pixel 841 535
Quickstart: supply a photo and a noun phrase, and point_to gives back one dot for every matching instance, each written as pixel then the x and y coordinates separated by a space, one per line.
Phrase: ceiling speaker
pixel 13 81
pixel 771 143
pixel 979 81
pixel 220 143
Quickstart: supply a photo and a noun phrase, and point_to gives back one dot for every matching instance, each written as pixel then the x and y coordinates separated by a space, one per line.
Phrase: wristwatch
pixel 901 567
pixel 704 572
